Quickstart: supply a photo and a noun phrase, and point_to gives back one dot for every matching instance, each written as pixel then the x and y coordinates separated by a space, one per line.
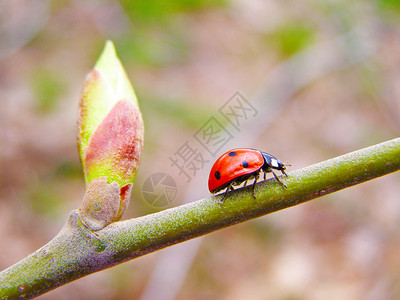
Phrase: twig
pixel 76 252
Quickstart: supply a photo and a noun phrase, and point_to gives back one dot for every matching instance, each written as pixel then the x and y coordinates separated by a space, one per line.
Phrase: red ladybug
pixel 239 165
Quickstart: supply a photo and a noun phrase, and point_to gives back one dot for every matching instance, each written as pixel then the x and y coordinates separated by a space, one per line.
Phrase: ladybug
pixel 239 165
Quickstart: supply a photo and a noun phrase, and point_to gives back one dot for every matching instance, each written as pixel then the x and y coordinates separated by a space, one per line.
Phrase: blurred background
pixel 303 80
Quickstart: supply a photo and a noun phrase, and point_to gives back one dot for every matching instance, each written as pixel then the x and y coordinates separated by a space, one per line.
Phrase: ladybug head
pixel 273 162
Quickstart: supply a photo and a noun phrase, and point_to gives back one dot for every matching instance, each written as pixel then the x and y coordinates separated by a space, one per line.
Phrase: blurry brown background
pixel 324 77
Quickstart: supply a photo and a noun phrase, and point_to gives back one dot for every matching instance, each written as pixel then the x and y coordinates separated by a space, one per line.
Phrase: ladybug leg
pixel 226 193
pixel 254 185
pixel 280 182
pixel 284 173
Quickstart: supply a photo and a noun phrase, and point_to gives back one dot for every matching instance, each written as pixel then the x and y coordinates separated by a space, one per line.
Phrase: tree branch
pixel 76 251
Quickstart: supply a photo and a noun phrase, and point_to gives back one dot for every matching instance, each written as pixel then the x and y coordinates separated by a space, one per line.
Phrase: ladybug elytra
pixel 239 165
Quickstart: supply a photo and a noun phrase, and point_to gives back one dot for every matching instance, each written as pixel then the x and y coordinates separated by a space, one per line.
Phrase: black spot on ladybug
pixel 233 153
pixel 245 164
pixel 217 175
